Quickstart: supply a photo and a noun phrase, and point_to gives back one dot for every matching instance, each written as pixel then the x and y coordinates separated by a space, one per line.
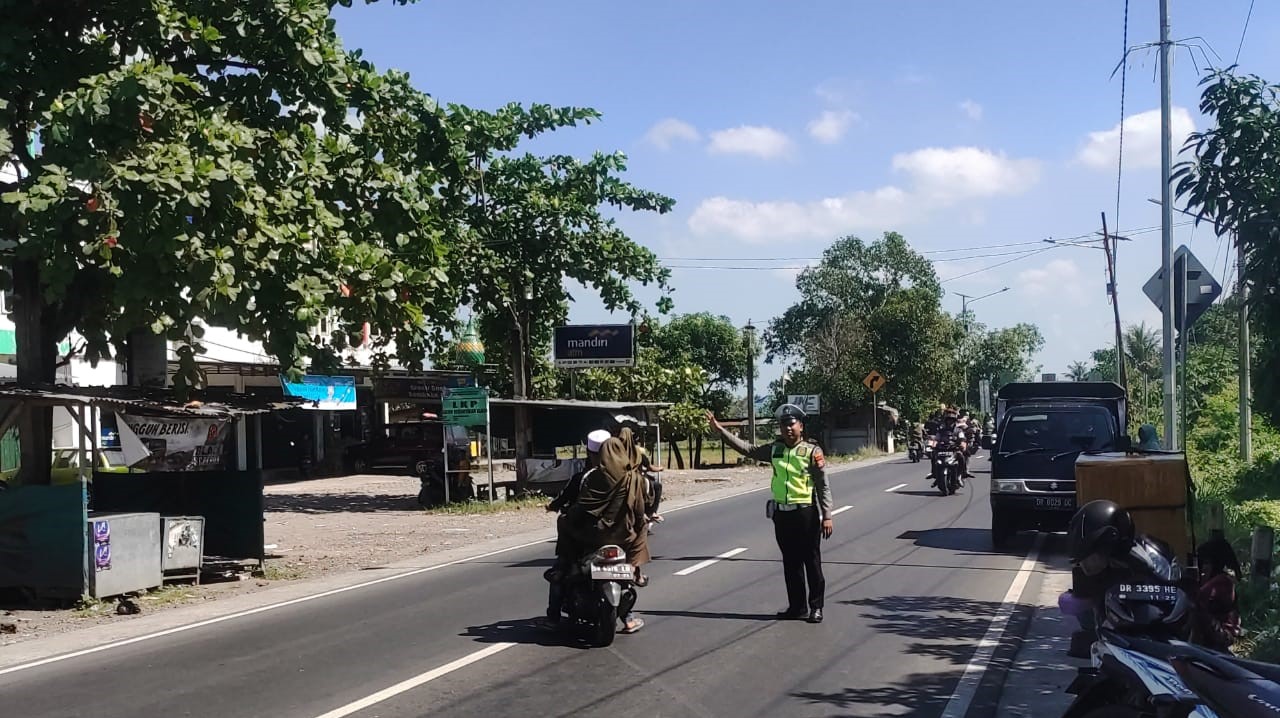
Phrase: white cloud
pixel 1141 140
pixel 972 109
pixel 759 222
pixel 966 172
pixel 763 142
pixel 1059 280
pixel 939 178
pixel 832 125
pixel 666 132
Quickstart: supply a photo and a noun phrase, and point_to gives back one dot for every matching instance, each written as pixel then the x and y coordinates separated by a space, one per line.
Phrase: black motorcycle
pixel 947 476
pixel 1143 616
pixel 599 592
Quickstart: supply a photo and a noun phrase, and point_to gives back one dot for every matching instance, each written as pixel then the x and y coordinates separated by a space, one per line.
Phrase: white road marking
pixel 416 681
pixel 892 489
pixel 709 562
pixel 259 609
pixel 333 592
pixel 959 703
pixel 840 510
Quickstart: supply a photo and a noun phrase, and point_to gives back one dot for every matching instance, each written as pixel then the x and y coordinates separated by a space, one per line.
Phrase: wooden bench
pixel 508 488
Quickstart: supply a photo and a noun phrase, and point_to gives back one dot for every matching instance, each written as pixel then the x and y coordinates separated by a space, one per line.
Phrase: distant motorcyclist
pixel 934 420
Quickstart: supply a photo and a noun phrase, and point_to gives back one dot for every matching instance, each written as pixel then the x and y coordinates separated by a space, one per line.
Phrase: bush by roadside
pixel 1249 496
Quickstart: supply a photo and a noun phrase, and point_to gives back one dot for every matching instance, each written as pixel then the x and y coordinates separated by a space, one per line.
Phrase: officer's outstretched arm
pixel 758 453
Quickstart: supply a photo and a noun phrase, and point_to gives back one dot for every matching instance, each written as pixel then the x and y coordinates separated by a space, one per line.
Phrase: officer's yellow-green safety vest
pixel 791 483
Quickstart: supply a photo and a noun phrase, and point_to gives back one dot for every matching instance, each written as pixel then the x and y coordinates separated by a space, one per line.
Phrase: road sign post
pixel 810 404
pixel 1194 291
pixel 467 407
pixel 875 381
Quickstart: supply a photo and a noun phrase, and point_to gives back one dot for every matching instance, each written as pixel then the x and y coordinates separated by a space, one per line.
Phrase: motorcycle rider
pixel 565 500
pixel 950 436
pixel 917 436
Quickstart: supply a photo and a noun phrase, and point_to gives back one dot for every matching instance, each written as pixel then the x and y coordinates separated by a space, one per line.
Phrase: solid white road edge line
pixel 333 592
pixel 840 510
pixel 959 703
pixel 416 681
pixel 709 562
pixel 892 489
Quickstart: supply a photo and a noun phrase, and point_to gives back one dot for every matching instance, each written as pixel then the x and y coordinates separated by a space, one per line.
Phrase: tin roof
pixel 138 400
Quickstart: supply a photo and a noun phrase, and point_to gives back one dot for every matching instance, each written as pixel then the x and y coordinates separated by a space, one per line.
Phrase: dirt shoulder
pixel 326 527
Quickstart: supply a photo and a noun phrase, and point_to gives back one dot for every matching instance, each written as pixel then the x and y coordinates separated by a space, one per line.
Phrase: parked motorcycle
pixel 946 470
pixel 1142 615
pixel 1229 686
pixel 599 592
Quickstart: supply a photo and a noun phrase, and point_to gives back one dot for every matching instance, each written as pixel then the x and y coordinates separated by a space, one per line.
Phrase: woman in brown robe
pixel 611 508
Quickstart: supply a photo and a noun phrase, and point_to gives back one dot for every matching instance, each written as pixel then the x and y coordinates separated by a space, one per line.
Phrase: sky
pixel 977 130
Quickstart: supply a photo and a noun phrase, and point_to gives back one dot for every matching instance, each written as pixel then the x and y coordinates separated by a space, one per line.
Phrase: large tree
pixel 220 161
pixel 536 221
pixel 712 343
pixel 1003 355
pixel 883 300
pixel 1233 181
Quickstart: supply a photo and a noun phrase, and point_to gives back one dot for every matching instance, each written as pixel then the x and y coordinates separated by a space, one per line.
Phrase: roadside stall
pixel 188 486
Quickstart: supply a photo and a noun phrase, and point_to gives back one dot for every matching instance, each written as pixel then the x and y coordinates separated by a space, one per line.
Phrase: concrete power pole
pixel 1246 391
pixel 749 336
pixel 1166 232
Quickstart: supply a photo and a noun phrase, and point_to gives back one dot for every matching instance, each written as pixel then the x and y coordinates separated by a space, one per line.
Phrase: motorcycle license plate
pixel 1055 502
pixel 613 572
pixel 1151 593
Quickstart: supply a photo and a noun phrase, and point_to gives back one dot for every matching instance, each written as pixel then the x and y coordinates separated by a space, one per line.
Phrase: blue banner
pixel 324 393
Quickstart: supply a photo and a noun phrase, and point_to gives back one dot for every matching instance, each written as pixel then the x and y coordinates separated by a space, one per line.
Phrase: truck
pixel 1041 428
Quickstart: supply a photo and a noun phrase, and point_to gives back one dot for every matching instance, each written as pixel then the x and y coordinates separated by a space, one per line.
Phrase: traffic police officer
pixel 800 508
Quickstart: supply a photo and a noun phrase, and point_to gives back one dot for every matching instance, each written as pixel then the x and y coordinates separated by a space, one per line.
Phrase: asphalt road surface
pixel 921 617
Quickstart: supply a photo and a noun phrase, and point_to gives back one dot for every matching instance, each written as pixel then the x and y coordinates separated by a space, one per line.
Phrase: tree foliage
pixel 864 307
pixel 223 161
pixel 1233 181
pixel 712 343
pixel 534 221
pixel 655 377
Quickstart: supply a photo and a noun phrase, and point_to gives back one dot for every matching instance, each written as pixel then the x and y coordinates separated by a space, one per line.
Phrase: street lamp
pixel 965 301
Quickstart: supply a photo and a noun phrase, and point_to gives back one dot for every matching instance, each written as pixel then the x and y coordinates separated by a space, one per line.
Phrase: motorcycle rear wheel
pixel 606 625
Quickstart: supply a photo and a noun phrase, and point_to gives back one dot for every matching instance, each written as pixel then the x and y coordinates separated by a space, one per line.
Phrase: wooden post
pixel 1263 547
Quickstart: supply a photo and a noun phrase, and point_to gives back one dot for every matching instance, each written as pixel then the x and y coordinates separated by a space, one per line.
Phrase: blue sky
pixel 779 127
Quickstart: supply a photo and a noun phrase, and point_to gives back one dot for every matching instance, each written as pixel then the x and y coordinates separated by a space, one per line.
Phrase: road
pixel 913 588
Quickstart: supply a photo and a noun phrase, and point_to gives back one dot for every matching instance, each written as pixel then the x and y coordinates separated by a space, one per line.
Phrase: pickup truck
pixel 1041 429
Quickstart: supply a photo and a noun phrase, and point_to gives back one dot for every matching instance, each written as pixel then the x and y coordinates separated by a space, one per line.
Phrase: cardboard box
pixel 1152 487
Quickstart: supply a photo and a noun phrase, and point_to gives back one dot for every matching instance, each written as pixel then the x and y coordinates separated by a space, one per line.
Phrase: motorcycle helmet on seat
pixel 1099 531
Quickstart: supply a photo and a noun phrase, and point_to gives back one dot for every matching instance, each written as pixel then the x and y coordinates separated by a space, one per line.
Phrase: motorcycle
pixel 946 470
pixel 1141 618
pixel 599 592
pixel 915 451
pixel 1230 686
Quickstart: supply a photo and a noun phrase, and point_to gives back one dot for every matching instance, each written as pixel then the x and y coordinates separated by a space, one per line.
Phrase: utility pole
pixel 1246 391
pixel 965 301
pixel 749 336
pixel 1166 231
pixel 1115 302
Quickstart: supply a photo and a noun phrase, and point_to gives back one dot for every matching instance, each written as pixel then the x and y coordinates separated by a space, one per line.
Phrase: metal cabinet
pixel 124 553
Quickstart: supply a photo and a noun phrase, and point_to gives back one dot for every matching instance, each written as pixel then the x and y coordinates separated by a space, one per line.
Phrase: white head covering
pixel 596 438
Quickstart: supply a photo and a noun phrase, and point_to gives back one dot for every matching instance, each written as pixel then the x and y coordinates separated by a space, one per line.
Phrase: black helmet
pixel 1101 529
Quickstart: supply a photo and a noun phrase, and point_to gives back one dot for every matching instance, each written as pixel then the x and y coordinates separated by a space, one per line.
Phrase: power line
pixel 1081 239
pixel 1000 264
pixel 1243 32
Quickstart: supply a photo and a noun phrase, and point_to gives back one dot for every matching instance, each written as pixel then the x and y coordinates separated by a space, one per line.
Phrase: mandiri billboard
pixel 595 345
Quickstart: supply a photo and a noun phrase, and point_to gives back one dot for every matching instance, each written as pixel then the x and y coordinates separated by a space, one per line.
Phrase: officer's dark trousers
pixel 799 535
